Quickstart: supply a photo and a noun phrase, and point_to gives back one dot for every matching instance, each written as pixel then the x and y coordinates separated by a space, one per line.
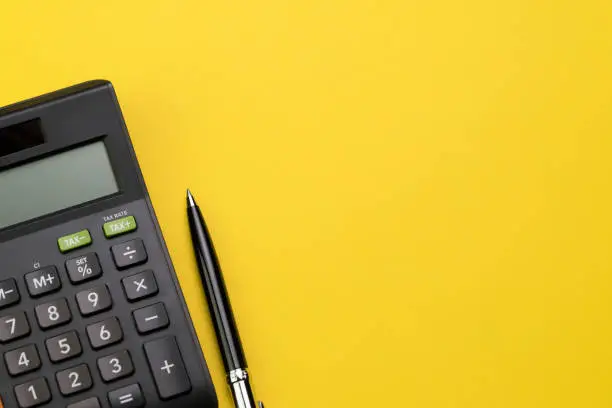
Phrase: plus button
pixel 167 367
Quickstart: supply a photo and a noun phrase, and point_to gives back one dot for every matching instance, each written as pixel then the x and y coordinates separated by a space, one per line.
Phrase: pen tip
pixel 190 199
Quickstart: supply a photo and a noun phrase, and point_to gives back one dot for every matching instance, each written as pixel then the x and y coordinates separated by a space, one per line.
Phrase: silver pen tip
pixel 190 199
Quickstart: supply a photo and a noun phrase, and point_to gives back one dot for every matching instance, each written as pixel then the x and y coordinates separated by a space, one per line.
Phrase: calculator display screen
pixel 55 183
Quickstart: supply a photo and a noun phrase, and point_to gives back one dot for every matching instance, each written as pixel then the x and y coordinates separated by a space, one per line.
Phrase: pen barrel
pixel 216 294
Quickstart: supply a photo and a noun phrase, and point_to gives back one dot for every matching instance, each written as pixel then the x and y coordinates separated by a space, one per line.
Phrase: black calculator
pixel 91 312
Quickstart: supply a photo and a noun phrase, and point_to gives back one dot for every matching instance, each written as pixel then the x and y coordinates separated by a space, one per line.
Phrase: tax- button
pixel 73 241
pixel 120 226
pixel 129 254
pixel 168 368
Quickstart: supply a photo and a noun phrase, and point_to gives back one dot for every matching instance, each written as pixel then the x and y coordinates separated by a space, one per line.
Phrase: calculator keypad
pixel 74 380
pixel 127 397
pixel 64 347
pixel 33 393
pixel 83 268
pixel 115 366
pixel 140 286
pixel 94 300
pixel 13 326
pixel 53 314
pixel 104 333
pixel 9 293
pixel 167 368
pixel 129 254
pixel 22 360
pixel 43 281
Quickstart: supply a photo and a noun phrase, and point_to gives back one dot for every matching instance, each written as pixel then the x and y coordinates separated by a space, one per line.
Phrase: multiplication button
pixel 83 268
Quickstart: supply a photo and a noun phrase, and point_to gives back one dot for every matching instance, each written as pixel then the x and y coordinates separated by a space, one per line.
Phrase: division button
pixel 129 254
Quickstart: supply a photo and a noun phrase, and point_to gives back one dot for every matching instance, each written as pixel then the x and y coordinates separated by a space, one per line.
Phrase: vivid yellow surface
pixel 411 199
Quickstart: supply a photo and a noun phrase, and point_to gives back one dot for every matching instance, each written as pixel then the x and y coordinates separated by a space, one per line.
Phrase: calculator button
pixel 115 366
pixel 53 314
pixel 167 366
pixel 129 254
pixel 127 397
pixel 88 403
pixel 83 268
pixel 9 294
pixel 33 393
pixel 73 241
pixel 63 347
pixel 13 326
pixel 74 380
pixel 22 360
pixel 120 226
pixel 140 286
pixel 94 300
pixel 43 281
pixel 104 333
pixel 151 318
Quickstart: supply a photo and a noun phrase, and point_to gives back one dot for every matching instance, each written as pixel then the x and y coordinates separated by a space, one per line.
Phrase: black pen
pixel 220 309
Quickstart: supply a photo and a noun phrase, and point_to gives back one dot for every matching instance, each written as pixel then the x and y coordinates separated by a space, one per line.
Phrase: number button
pixel 33 393
pixel 129 254
pixel 94 300
pixel 13 327
pixel 43 281
pixel 63 347
pixel 83 268
pixel 9 294
pixel 74 380
pixel 104 333
pixel 140 286
pixel 53 314
pixel 22 360
pixel 127 397
pixel 115 366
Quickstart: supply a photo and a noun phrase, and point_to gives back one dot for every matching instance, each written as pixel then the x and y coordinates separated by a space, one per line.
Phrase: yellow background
pixel 411 199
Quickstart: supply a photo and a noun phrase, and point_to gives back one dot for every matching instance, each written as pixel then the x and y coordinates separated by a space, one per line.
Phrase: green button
pixel 120 226
pixel 74 241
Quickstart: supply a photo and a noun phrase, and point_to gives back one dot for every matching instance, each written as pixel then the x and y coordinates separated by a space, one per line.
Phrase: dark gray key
pixel 115 366
pixel 74 380
pixel 13 326
pixel 127 397
pixel 88 403
pixel 168 368
pixel 63 347
pixel 104 333
pixel 94 300
pixel 33 393
pixel 9 294
pixel 83 268
pixel 129 254
pixel 22 360
pixel 140 286
pixel 151 318
pixel 43 281
pixel 53 314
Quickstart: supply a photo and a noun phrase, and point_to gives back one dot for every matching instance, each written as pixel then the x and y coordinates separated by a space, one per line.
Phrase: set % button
pixel 83 268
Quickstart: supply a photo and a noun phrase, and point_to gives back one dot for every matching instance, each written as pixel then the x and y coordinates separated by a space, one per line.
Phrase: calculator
pixel 91 312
